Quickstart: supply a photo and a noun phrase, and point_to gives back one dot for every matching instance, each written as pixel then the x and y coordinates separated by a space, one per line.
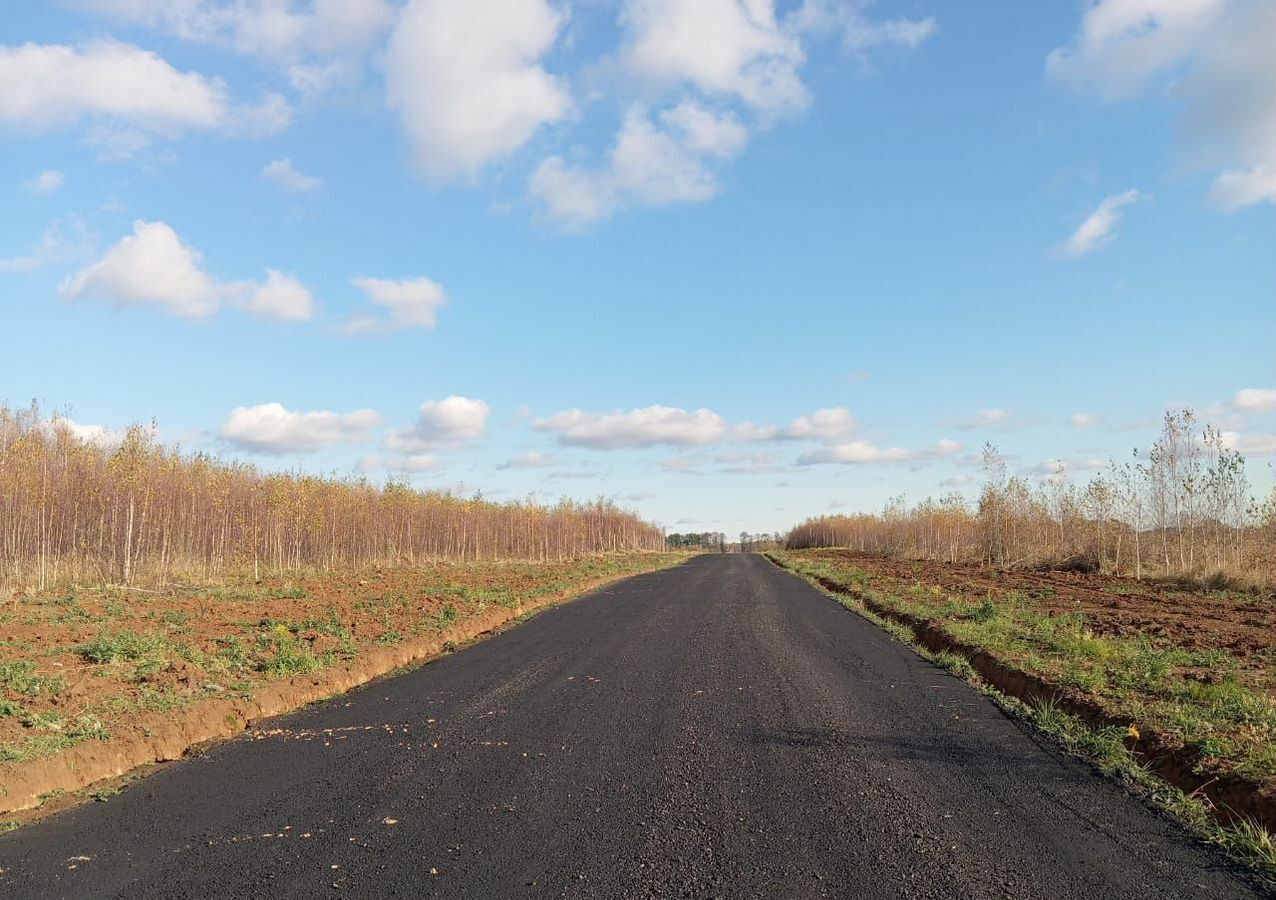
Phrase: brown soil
pixel 206 672
pixel 1242 624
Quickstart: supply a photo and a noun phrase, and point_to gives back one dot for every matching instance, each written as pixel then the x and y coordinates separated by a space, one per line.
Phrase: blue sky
pixel 731 262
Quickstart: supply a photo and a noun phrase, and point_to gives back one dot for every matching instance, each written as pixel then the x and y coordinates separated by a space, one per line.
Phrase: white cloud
pixel 467 81
pixel 47 182
pixel 282 173
pixel 1256 399
pixel 945 447
pixel 153 266
pixel 1250 444
pixel 649 165
pixel 1083 420
pixel 130 95
pixel 419 462
pixel 98 435
pixel 855 452
pixel 859 452
pixel 1214 56
pixel 281 298
pixel 317 43
pixel 827 425
pixel 859 33
pixel 1097 230
pixel 1122 44
pixel 646 427
pixel 705 131
pixel 823 424
pixel 270 428
pixel 985 418
pixel 728 48
pixel 63 240
pixel 721 52
pixel 533 459
pixel 1236 188
pixel 442 423
pixel 408 302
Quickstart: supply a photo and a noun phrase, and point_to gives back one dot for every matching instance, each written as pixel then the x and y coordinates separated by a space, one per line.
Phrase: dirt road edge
pixel 1230 798
pixel 170 735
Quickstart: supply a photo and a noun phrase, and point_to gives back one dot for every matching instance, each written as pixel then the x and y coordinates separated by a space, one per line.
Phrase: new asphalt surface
pixel 719 729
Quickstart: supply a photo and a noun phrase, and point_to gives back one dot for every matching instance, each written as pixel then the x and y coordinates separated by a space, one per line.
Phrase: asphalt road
pixel 716 730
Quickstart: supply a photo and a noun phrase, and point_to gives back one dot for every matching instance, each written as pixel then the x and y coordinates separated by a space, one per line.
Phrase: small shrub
pixel 288 655
pixel 88 728
pixel 19 677
pixel 122 646
pixel 43 721
pixel 984 612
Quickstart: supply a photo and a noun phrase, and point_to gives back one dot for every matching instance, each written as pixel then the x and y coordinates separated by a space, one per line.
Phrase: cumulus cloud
pixel 1256 399
pixel 282 173
pixel 271 428
pixel 706 131
pixel 1214 56
pixel 824 425
pixel 416 463
pixel 714 55
pixel 729 48
pixel 407 303
pixel 97 435
pixel 154 266
pixel 855 452
pixel 651 164
pixel 449 422
pixel 281 298
pixel 1083 420
pixel 1097 230
pixel 467 81
pixel 151 266
pixel 128 94
pixel 49 181
pixel 861 452
pixel 828 425
pixel 1250 444
pixel 647 427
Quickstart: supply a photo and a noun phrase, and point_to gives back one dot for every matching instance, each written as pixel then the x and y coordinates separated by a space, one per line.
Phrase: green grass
pixel 19 677
pixel 38 746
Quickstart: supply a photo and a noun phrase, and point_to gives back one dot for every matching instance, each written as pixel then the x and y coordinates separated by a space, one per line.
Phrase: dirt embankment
pixel 1242 626
pixel 97 682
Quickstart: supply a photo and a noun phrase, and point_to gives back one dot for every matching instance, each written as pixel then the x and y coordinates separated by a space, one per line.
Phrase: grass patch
pixel 19 676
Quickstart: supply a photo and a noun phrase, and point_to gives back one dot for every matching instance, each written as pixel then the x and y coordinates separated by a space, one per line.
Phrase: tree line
pixel 73 509
pixel 1183 507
